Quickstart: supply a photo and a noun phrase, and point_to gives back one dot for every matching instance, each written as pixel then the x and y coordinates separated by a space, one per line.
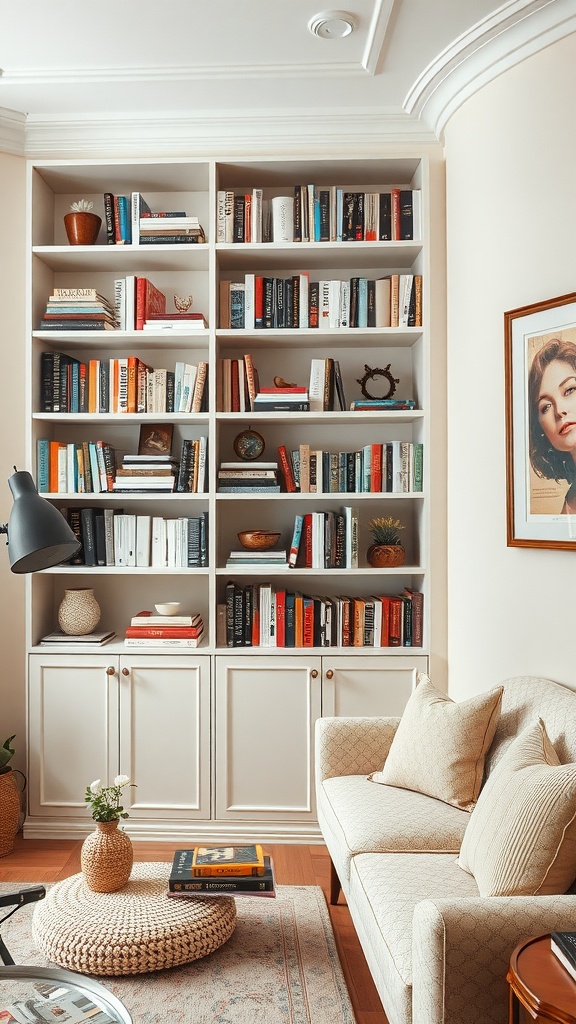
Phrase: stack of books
pixel 241 559
pixel 175 322
pixel 248 477
pixel 293 399
pixel 149 630
pixel 146 474
pixel 221 871
pixel 169 228
pixel 96 639
pixel 78 309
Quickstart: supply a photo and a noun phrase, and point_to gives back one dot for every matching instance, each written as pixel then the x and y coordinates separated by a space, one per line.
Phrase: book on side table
pixel 183 884
pixel 563 945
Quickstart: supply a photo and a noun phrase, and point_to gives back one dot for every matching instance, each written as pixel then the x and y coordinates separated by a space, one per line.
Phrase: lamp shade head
pixel 38 535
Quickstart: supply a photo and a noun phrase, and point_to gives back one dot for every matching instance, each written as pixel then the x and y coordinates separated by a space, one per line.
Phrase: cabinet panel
pixel 73 709
pixel 165 735
pixel 265 714
pixel 368 686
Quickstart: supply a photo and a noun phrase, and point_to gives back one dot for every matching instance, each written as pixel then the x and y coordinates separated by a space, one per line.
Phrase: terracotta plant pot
pixel 106 857
pixel 82 228
pixel 382 556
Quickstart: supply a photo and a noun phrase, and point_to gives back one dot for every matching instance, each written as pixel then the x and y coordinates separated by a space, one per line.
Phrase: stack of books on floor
pixel 221 871
pixel 281 400
pixel 146 474
pixel 78 309
pixel 241 559
pixel 247 477
pixel 149 630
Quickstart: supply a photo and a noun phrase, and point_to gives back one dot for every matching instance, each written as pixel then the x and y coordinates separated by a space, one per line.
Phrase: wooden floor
pixel 51 860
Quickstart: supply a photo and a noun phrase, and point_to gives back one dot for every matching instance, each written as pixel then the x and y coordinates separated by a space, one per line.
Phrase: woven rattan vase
pixel 106 857
pixel 9 812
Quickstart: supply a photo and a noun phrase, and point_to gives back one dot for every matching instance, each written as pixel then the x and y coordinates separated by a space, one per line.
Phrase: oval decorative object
pixel 382 556
pixel 106 857
pixel 79 612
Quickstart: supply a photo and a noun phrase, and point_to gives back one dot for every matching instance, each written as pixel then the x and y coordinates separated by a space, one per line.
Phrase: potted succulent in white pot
pixel 9 800
pixel 82 226
pixel 386 549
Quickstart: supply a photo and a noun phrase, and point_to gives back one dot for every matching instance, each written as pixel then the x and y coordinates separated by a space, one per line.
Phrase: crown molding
pixel 227 132
pixel 517 30
pixel 52 77
pixel 12 132
pixel 377 34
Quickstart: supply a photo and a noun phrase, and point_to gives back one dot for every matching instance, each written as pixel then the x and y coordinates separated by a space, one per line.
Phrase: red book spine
pixel 396 214
pixel 395 630
pixel 385 631
pixel 259 301
pixel 169 632
pixel 308 623
pixel 307 538
pixel 376 467
pixel 235 384
pixel 286 468
pixel 280 618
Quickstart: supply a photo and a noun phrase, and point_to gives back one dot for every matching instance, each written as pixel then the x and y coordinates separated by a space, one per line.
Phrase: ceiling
pixel 66 61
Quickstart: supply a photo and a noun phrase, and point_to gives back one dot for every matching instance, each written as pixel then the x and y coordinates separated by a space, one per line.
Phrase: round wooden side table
pixel 540 983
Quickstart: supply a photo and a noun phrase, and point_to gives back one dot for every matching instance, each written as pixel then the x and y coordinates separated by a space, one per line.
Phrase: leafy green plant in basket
pixel 6 754
pixel 386 551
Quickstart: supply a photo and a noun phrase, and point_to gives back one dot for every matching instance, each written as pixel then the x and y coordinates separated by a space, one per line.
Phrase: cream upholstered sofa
pixel 438 950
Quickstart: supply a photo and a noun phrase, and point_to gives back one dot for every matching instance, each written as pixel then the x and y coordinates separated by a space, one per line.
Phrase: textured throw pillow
pixel 521 837
pixel 440 745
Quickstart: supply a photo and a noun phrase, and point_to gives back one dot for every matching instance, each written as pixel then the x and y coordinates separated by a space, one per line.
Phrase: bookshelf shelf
pixel 208 698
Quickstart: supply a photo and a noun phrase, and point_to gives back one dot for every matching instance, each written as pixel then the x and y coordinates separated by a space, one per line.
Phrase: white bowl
pixel 170 608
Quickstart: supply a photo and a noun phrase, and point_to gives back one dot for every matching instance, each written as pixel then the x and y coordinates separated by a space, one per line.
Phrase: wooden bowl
pixel 258 540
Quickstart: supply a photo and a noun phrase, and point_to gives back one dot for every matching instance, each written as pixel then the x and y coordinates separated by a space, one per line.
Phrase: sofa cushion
pixel 440 745
pixel 521 837
pixel 358 817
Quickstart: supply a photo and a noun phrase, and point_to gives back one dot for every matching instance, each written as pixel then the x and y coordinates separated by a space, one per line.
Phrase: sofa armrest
pixel 461 952
pixel 352 746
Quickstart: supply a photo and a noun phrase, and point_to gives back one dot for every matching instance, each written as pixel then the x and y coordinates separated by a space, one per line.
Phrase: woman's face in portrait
pixel 557 405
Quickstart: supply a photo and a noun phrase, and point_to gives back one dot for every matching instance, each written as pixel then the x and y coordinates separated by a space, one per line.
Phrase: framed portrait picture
pixel 540 345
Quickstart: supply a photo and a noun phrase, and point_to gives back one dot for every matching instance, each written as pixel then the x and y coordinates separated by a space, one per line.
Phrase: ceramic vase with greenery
pixel 107 854
pixel 386 549
pixel 9 800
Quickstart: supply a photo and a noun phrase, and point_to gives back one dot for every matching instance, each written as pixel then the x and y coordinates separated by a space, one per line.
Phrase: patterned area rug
pixel 279 967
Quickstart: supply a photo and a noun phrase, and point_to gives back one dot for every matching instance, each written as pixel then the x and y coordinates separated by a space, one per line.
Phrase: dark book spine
pixel 193 542
pixel 75 522
pixel 109 218
pixel 238 225
pixel 371 303
pixel 238 617
pixel 289 616
pixel 358 216
pixel 280 302
pixel 247 617
pixel 204 540
pixel 324 199
pixel 100 537
pixel 47 382
pixel 87 518
pixel 170 391
pixel 314 304
pixel 297 213
pixel 354 290
pixel 104 371
pixel 385 217
pixel 348 217
pixel 183 483
pixel 230 589
pixel 406 215
pixel 294 285
pixel 269 302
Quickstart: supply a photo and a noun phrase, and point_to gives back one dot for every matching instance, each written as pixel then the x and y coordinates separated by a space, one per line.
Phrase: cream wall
pixel 511 236
pixel 12 446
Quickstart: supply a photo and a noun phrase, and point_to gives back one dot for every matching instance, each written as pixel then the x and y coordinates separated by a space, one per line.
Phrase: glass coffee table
pixel 37 995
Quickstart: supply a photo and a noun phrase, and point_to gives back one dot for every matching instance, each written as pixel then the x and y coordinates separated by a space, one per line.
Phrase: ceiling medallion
pixel 332 24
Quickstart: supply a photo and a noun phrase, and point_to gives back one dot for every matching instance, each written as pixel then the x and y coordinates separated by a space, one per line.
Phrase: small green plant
pixel 82 206
pixel 6 753
pixel 385 530
pixel 104 801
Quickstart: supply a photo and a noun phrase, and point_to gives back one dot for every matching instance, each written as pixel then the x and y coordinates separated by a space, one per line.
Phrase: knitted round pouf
pixel 137 929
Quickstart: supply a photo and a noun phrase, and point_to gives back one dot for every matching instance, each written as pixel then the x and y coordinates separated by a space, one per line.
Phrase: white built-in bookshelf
pixel 185 725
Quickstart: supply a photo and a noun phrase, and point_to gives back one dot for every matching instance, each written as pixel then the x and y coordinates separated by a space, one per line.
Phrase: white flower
pixel 96 786
pixel 82 206
pixel 121 780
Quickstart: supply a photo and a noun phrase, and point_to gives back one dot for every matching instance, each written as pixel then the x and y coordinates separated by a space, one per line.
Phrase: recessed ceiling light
pixel 332 24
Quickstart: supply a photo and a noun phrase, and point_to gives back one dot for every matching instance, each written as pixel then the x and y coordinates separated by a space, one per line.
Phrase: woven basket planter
pixel 107 857
pixel 9 812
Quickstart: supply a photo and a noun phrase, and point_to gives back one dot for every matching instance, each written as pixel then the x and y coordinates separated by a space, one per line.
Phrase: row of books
pixel 90 467
pixel 238 388
pixel 120 385
pixel 319 214
pixel 296 302
pixel 260 615
pixel 112 537
pixel 325 540
pixel 138 305
pixel 129 220
pixel 234 870
pixel 246 477
pixel 387 467
pixel 147 630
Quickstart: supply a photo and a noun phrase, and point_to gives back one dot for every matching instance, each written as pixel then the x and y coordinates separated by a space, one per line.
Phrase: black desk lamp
pixel 38 534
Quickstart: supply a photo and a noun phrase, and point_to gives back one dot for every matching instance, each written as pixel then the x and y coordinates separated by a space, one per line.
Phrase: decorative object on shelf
pixel 258 540
pixel 249 444
pixel 386 551
pixel 183 305
pixel 155 439
pixel 79 611
pixel 279 382
pixel 168 608
pixel 107 854
pixel 81 225
pixel 373 374
pixel 9 800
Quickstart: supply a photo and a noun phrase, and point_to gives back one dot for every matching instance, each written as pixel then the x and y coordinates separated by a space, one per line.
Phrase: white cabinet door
pixel 165 736
pixel 73 721
pixel 369 686
pixel 265 713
